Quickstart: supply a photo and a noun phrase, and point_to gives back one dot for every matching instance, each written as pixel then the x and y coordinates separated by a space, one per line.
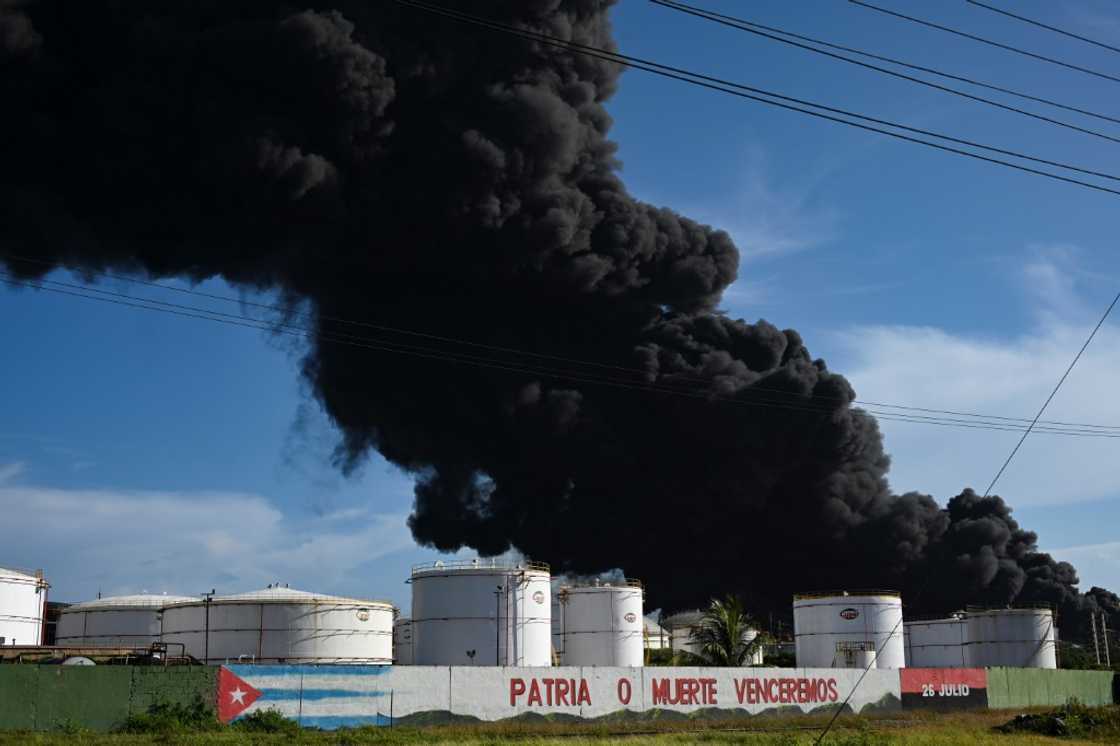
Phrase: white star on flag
pixel 237 696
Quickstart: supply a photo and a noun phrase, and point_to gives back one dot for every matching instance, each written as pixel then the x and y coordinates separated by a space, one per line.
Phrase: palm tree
pixel 721 637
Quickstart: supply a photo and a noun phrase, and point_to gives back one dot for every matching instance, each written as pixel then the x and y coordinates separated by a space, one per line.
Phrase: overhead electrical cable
pixel 1053 393
pixel 982 40
pixel 753 28
pixel 1040 24
pixel 930 70
pixel 287 313
pixel 768 97
pixel 802 405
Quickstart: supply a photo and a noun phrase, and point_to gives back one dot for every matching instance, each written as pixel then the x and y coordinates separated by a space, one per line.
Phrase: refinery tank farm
pixel 505 613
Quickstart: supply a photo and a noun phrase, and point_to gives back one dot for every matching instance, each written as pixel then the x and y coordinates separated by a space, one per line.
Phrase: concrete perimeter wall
pixel 102 697
pixel 95 697
pixel 1034 687
pixel 335 696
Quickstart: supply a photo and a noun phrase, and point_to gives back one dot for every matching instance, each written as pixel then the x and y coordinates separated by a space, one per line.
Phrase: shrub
pixel 1073 719
pixel 165 717
pixel 266 721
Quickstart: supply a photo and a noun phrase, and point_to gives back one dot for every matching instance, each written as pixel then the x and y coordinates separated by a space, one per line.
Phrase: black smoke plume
pixel 378 164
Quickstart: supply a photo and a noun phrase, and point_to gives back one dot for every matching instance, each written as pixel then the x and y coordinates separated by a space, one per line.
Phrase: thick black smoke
pixel 386 166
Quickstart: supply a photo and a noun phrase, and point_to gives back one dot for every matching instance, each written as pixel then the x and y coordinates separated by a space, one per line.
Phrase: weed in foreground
pixel 267 721
pixel 168 717
pixel 1071 720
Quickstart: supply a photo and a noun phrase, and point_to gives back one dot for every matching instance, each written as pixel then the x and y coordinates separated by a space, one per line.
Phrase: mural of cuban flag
pixel 326 697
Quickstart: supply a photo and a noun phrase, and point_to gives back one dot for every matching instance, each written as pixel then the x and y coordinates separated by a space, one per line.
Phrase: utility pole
pixel 206 644
pixel 498 626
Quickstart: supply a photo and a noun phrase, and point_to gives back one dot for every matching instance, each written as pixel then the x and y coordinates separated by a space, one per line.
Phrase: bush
pixel 165 717
pixel 266 721
pixel 1073 719
pixel 659 657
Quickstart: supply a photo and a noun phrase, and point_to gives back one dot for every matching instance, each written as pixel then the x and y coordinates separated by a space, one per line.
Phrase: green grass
pixel 919 729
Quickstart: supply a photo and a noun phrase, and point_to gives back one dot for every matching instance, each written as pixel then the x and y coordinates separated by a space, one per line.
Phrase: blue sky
pixel 149 452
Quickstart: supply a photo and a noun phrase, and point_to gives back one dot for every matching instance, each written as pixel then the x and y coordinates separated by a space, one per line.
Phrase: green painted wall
pixel 19 686
pixel 1033 687
pixel 182 684
pixel 96 697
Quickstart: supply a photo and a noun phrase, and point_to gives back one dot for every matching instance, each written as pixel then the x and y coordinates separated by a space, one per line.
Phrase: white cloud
pixel 1097 564
pixel 126 542
pixel 1099 25
pixel 766 218
pixel 1012 376
pixel 8 472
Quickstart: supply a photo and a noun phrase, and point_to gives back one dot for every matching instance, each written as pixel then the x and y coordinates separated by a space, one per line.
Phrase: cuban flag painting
pixel 325 697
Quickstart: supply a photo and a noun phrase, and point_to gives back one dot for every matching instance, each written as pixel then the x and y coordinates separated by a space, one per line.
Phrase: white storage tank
pixel 601 624
pixel 23 604
pixel 402 641
pixel 655 636
pixel 838 629
pixel 119 621
pixel 283 625
pixel 679 628
pixel 936 643
pixel 557 630
pixel 481 612
pixel 1021 638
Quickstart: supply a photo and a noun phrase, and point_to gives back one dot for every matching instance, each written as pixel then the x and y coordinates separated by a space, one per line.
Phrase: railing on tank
pixel 850 592
pixel 957 616
pixel 619 583
pixel 979 609
pixel 492 563
pixel 612 583
pixel 37 574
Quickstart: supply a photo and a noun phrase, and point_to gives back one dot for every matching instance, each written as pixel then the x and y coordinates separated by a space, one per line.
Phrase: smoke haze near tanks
pixel 390 167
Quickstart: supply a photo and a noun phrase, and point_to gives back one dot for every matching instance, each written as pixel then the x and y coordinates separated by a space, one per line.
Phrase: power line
pixel 934 71
pixel 1053 393
pixel 989 42
pixel 514 366
pixel 872 406
pixel 753 28
pixel 1033 22
pixel 766 97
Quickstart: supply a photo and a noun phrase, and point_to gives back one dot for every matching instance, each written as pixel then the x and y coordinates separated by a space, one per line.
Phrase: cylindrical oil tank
pixel 679 630
pixel 402 641
pixel 656 636
pixel 282 625
pixel 23 603
pixel 481 612
pixel 601 624
pixel 831 627
pixel 557 622
pixel 936 643
pixel 1022 638
pixel 119 621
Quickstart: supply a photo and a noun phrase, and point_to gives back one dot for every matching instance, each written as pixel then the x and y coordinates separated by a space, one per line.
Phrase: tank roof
pixel 685 618
pixel 1012 610
pixel 602 585
pixel 136 601
pixel 11 573
pixel 477 564
pixel 280 595
pixel 841 594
